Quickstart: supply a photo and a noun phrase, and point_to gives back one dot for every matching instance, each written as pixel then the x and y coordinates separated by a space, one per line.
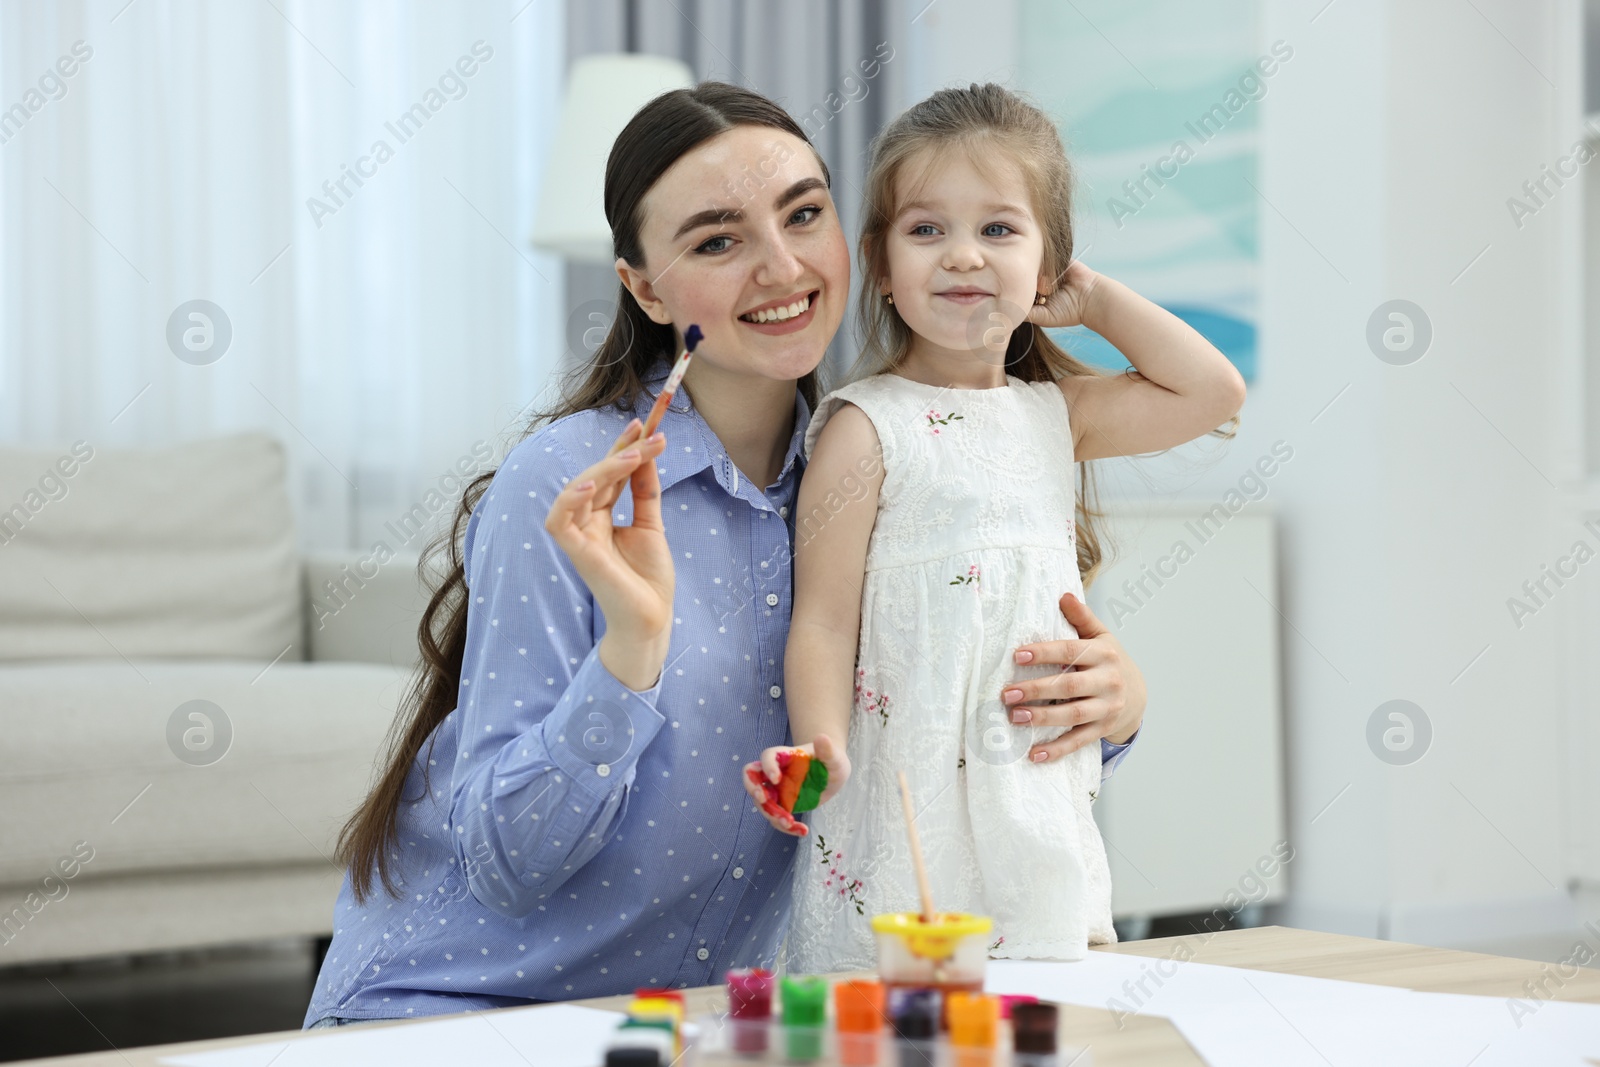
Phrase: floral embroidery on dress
pixel 870 701
pixel 936 420
pixel 974 576
pixel 849 888
pixel 1000 941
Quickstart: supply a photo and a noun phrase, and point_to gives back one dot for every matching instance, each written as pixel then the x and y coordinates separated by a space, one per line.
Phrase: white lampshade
pixel 603 93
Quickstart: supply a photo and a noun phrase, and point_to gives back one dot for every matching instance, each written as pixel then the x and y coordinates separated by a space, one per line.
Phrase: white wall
pixel 1424 497
pixel 1418 502
pixel 1430 491
pixel 954 44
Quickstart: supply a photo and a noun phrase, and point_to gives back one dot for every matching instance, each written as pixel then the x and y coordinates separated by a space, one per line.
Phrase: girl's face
pixel 964 253
pixel 741 238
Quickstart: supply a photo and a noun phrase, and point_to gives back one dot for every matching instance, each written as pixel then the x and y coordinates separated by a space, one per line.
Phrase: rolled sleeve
pixel 1112 754
pixel 600 726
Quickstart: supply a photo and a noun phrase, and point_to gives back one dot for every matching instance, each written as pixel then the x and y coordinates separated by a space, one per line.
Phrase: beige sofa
pixel 188 712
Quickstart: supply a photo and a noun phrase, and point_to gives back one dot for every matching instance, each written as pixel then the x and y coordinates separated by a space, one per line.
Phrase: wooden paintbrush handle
pixel 916 851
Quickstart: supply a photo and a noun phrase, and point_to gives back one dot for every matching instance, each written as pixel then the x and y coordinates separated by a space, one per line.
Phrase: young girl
pixel 936 517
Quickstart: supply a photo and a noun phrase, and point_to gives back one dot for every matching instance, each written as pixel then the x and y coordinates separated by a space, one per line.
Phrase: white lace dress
pixel 973 546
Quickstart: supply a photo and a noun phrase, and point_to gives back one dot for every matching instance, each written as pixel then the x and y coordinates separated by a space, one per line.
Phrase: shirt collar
pixel 692 445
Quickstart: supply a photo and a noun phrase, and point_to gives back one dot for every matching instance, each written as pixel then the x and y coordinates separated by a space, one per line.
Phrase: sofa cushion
pixel 165 910
pixel 93 755
pixel 187 551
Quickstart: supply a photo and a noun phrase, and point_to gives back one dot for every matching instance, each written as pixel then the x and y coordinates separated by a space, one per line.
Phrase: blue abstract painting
pixel 1159 104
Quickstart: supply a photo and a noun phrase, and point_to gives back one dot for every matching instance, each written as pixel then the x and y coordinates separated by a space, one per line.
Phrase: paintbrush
pixel 691 338
pixel 928 915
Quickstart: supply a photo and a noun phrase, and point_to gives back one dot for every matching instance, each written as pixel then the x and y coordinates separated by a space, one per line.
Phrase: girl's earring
pixel 1040 299
pixel 889 299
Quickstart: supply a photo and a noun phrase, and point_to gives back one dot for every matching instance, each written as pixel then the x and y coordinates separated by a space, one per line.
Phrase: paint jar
pixel 858 1017
pixel 750 1008
pixel 639 1047
pixel 805 1007
pixel 1033 1033
pixel 914 1017
pixel 659 1014
pixel 974 1028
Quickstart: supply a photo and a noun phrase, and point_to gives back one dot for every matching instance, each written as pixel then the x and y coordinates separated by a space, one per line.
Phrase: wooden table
pixel 1141 1041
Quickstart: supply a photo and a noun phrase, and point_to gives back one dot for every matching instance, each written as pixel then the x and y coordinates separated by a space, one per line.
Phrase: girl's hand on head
pixel 627 568
pixel 1069 304
pixel 1101 683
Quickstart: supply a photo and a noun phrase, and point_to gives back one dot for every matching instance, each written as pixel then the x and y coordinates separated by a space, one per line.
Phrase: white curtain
pixel 386 326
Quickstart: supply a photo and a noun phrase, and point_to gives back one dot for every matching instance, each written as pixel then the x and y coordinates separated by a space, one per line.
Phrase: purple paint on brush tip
pixel 691 338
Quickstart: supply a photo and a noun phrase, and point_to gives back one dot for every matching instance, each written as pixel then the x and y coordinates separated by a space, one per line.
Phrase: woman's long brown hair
pixel 654 139
pixel 980 120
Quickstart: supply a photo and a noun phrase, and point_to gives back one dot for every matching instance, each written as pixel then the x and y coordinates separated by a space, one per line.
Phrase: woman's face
pixel 740 237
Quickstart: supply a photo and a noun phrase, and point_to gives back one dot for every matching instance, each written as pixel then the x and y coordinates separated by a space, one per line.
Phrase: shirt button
pixel 738 872
pixel 603 770
pixel 776 692
pixel 772 600
pixel 784 511
pixel 702 955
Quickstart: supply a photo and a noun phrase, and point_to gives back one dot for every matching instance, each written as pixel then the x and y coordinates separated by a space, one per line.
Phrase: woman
pixel 561 813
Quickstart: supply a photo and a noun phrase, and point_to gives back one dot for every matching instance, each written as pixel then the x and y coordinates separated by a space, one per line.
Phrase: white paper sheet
pixel 1241 1018
pixel 557 1035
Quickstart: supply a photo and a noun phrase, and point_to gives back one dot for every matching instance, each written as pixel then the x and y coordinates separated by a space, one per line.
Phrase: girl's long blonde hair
pixel 978 120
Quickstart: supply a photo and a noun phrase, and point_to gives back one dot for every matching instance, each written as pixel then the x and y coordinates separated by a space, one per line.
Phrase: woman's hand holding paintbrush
pixel 627 568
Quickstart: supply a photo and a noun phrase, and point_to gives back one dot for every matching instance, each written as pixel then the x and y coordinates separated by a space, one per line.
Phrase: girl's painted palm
pixel 832 755
pixel 1067 305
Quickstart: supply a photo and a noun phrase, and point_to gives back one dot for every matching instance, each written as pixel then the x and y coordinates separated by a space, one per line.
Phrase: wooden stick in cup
pixel 916 851
pixel 691 337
